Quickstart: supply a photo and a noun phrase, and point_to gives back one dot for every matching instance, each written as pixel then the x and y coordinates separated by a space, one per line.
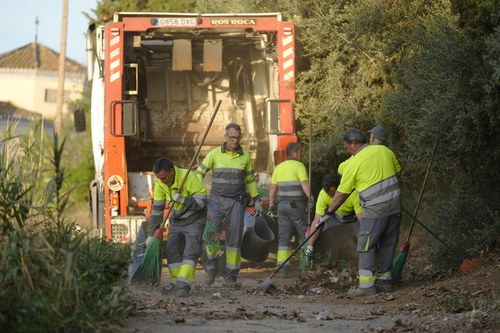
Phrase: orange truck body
pixel 156 79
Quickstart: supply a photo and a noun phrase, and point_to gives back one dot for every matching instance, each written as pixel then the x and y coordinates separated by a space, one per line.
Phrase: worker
pixel 378 136
pixel 372 172
pixel 289 195
pixel 184 242
pixel 233 175
pixel 351 207
pixel 349 211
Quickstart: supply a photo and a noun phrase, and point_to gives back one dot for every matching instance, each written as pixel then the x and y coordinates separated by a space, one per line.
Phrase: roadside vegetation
pixel 53 276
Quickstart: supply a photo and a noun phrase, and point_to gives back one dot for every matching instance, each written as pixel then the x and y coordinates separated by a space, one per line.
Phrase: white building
pixel 29 79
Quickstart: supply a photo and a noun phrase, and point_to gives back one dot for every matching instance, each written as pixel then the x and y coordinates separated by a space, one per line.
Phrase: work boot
pixel 232 284
pixel 181 292
pixel 169 287
pixel 383 286
pixel 209 279
pixel 360 292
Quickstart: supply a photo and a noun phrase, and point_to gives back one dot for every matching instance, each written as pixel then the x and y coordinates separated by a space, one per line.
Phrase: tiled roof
pixel 8 110
pixel 24 57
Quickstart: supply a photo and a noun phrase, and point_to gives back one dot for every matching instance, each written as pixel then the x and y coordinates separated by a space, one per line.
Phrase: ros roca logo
pixel 233 21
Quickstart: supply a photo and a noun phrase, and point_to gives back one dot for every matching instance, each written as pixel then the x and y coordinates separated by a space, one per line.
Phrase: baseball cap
pixel 379 133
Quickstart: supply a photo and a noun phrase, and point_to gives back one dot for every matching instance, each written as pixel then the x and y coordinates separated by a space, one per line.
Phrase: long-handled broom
pixel 151 262
pixel 399 261
pixel 466 265
pixel 267 285
pixel 305 261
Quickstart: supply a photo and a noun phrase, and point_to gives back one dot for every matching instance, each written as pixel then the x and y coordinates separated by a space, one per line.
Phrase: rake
pixel 267 285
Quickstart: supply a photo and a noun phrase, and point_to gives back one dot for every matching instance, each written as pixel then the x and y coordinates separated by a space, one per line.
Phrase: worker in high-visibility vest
pixel 378 136
pixel 373 173
pixel 348 212
pixel 289 196
pixel 232 175
pixel 184 242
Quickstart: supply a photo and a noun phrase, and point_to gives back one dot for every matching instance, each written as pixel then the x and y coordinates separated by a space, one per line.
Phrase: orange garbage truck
pixel 155 80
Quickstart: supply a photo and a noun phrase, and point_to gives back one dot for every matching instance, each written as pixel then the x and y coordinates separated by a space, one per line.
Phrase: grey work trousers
pixel 220 208
pixel 378 237
pixel 292 218
pixel 184 247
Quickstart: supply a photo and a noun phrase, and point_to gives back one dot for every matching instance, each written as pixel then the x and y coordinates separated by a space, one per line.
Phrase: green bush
pixel 53 277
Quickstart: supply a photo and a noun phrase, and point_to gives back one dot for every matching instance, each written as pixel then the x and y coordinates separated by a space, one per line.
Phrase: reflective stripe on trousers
pixel 184 246
pixel 220 208
pixel 182 273
pixel 292 218
pixel 377 237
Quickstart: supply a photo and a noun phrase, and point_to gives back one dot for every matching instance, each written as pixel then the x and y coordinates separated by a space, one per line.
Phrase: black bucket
pixel 256 241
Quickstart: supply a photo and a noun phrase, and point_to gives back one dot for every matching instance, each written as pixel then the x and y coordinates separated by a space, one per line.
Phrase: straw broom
pixel 151 262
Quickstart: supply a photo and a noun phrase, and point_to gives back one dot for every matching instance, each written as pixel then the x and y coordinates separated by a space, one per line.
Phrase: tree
pixel 440 94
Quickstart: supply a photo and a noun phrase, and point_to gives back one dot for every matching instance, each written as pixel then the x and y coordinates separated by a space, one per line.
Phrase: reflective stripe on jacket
pixel 232 172
pixel 288 176
pixel 163 193
pixel 382 198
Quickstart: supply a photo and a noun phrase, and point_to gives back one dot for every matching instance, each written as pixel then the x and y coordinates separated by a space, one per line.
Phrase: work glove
pixel 149 240
pixel 323 220
pixel 273 210
pixel 177 197
pixel 258 207
pixel 309 251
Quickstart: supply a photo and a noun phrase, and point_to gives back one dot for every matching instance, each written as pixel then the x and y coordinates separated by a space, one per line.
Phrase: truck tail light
pixel 115 203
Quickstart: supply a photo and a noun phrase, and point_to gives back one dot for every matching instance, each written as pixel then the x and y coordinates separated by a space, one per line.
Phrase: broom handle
pixel 171 203
pixel 422 189
pixel 318 227
pixel 310 171
pixel 431 232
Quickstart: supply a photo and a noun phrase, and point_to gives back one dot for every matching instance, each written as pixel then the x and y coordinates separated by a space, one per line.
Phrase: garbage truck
pixel 155 80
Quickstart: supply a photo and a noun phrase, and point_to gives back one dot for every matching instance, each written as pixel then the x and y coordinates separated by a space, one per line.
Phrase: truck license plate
pixel 176 21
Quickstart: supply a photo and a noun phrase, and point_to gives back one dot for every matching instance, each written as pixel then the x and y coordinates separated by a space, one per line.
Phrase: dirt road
pixel 454 303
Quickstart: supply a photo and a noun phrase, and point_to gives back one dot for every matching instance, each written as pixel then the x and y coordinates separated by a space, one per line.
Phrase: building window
pixel 51 95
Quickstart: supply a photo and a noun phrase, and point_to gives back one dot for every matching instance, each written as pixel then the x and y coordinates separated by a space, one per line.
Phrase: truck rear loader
pixel 155 80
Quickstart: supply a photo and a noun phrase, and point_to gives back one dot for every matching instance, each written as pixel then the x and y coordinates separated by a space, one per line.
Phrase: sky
pixel 17 23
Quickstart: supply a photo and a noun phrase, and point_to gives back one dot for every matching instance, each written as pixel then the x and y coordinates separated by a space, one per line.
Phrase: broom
pixel 151 262
pixel 305 262
pixel 399 261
